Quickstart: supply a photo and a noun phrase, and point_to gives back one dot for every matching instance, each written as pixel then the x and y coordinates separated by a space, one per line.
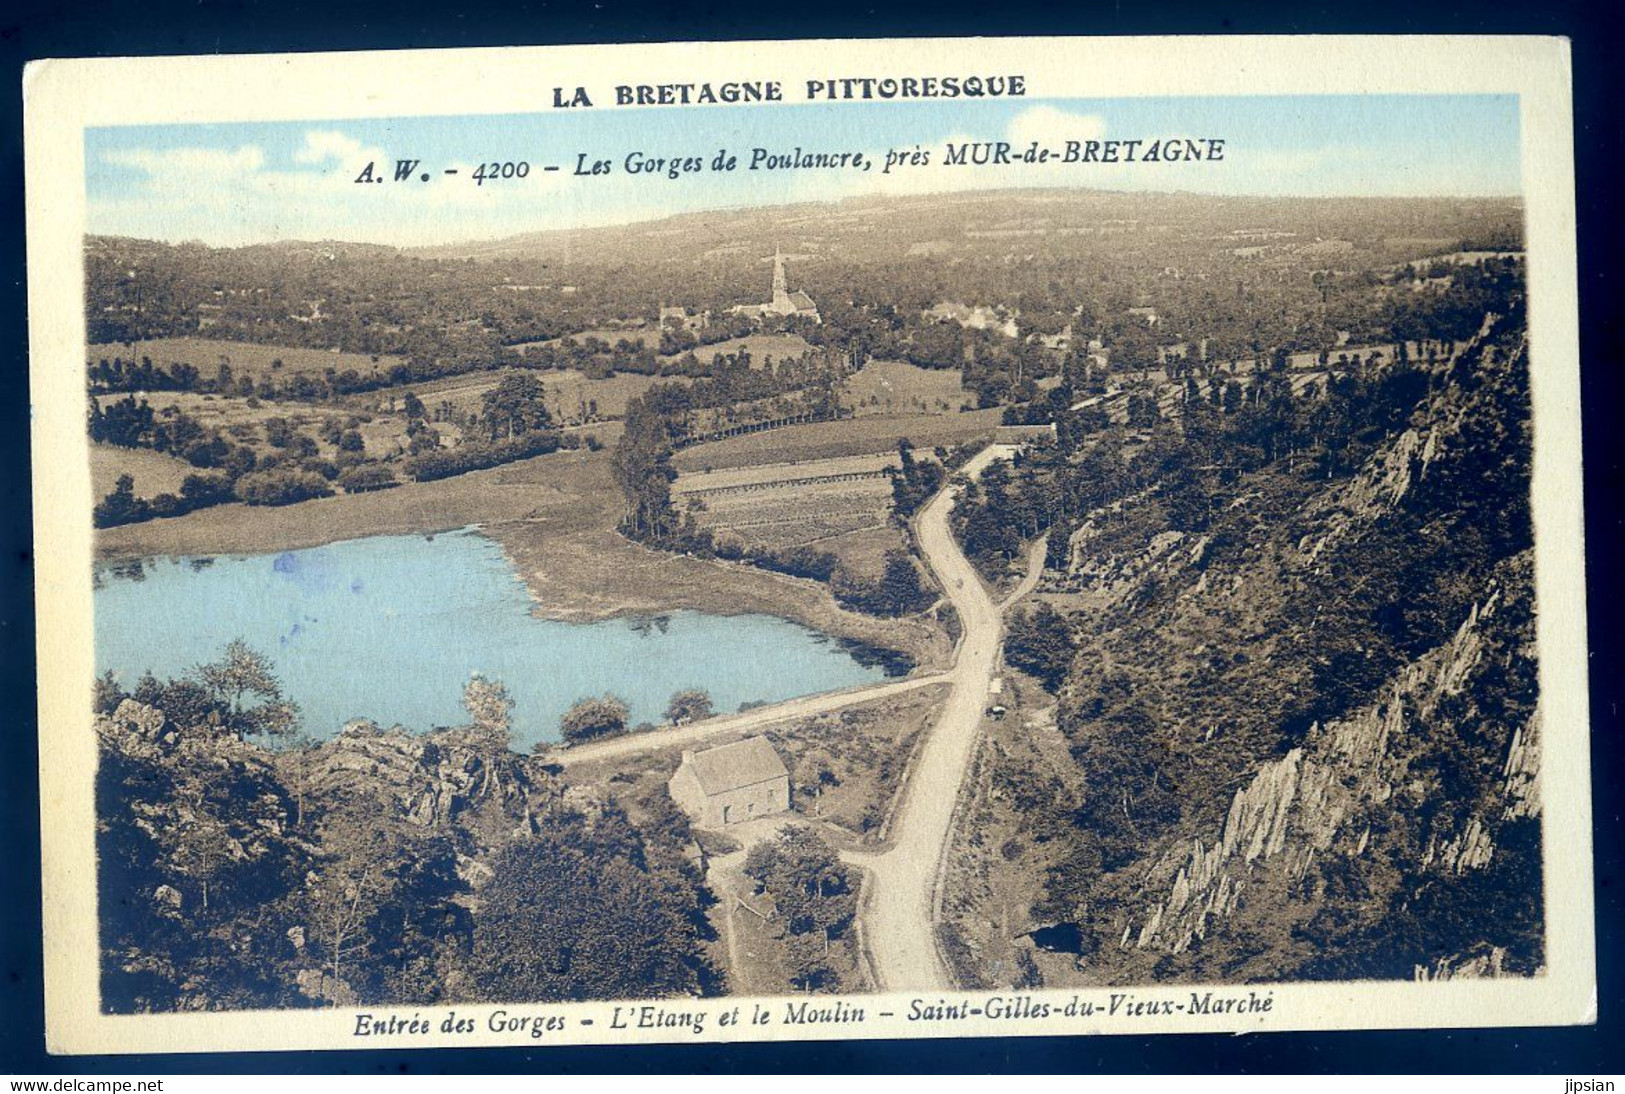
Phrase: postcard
pixel 808 540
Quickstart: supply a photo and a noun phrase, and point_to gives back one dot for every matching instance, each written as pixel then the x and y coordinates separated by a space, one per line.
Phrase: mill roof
pixel 743 763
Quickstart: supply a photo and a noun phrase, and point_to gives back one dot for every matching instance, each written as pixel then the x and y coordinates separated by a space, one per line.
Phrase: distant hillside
pixel 1128 269
pixel 943 227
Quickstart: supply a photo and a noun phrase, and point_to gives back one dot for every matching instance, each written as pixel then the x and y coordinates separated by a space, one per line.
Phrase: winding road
pixel 899 928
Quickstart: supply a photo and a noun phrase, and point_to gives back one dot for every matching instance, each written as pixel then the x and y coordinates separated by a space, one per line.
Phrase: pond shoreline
pixel 554 517
pixel 388 628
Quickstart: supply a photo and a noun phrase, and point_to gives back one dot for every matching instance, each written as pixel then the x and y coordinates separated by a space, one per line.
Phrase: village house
pixel 731 784
pixel 679 318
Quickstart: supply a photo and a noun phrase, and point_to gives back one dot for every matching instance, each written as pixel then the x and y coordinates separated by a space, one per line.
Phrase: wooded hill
pixel 378 867
pixel 1293 653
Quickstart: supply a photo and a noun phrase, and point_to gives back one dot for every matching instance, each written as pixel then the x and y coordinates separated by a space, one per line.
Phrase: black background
pixel 36 29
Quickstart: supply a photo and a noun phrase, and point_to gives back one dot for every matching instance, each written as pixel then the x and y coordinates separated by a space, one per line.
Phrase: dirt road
pixel 732 723
pixel 902 880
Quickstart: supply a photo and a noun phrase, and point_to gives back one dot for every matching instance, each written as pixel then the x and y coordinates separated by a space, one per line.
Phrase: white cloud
pixel 231 196
pixel 1051 127
pixel 324 145
pixel 168 163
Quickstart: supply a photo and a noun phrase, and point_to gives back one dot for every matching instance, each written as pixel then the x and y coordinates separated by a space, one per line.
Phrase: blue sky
pixel 242 183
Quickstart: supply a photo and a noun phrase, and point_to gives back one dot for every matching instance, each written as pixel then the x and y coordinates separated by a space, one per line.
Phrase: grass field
pixel 897 387
pixel 383 435
pixel 154 472
pixel 248 358
pixel 570 393
pixel 760 346
pixel 848 437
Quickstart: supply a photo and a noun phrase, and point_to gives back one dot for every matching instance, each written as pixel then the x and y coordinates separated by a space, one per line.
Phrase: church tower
pixel 781 287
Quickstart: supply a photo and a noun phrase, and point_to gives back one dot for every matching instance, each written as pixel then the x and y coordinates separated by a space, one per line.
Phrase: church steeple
pixel 781 285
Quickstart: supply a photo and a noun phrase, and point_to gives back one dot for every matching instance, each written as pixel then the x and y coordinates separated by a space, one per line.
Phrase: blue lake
pixel 390 628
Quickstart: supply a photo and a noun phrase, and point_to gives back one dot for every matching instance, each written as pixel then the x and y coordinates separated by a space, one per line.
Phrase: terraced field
pixel 842 505
pixel 847 437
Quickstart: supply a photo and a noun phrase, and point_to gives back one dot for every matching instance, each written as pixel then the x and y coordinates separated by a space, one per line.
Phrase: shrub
pixel 372 476
pixel 282 487
pixel 593 718
pixel 478 455
pixel 121 506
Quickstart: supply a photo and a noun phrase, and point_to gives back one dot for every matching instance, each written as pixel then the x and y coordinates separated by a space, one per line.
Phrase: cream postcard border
pixel 64 97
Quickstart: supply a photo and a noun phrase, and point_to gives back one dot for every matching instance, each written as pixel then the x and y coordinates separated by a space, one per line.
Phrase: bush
pixel 282 487
pixel 121 506
pixel 211 452
pixel 478 455
pixel 202 490
pixel 593 718
pixel 373 476
pixel 689 705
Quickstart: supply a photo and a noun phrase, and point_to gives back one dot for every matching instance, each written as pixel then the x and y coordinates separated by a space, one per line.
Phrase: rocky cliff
pixel 1337 795
pixel 1307 724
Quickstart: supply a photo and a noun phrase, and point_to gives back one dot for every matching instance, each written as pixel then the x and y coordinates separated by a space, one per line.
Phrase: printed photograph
pixel 1000 544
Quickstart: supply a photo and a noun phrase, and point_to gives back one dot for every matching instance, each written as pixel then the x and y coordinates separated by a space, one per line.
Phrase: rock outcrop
pixel 461 780
pixel 1324 797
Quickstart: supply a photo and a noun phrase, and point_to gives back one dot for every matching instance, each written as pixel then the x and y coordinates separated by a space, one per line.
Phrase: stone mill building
pixel 731 784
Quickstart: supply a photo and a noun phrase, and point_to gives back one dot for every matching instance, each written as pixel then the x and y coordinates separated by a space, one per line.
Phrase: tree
pixel 913 481
pixel 643 470
pixel 690 705
pixel 202 490
pixel 121 506
pixel 243 674
pixel 592 718
pixel 1040 642
pixel 278 433
pixel 343 899
pixel 900 586
pixel 489 707
pixel 815 771
pixel 813 893
pixel 414 409
pixel 570 915
pixel 1143 411
pixel 516 405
